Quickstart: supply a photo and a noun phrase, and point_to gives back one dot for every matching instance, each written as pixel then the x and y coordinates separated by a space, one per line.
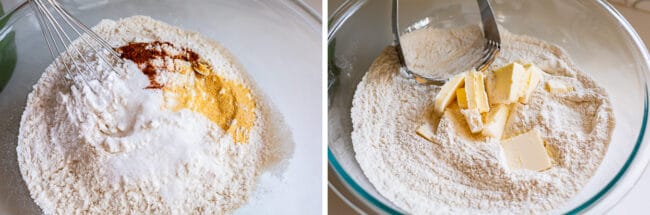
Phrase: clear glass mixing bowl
pixel 595 35
pixel 277 42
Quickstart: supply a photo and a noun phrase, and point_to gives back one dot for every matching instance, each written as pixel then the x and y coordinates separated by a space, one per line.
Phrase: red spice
pixel 143 53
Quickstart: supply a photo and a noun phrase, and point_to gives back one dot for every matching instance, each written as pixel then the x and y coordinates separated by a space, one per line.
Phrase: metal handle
pixel 487 18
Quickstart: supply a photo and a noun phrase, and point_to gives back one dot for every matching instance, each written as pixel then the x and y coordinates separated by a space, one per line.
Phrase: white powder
pixel 107 146
pixel 463 173
pixel 427 54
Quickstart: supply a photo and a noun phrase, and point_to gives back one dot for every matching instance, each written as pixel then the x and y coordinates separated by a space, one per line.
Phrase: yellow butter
pixel 531 79
pixel 526 151
pixel 504 87
pixel 474 120
pixel 558 86
pixel 475 92
pixel 461 98
pixel 447 93
pixel 495 121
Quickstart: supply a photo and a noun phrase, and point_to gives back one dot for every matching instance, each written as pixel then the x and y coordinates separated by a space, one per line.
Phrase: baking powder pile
pixel 463 173
pixel 101 141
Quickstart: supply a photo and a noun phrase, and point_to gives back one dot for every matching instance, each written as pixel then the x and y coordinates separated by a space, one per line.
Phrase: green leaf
pixel 7 54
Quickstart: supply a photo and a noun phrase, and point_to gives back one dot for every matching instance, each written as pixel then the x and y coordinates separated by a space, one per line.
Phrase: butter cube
pixel 474 119
pixel 475 91
pixel 447 93
pixel 531 79
pixel 504 87
pixel 495 121
pixel 526 151
pixel 461 98
pixel 428 127
pixel 558 86
pixel 426 130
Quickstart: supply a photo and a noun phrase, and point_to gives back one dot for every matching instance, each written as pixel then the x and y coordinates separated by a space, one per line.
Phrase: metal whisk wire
pixel 49 13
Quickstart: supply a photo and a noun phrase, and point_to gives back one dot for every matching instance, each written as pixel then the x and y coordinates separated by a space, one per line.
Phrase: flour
pixel 464 173
pixel 103 144
pixel 427 54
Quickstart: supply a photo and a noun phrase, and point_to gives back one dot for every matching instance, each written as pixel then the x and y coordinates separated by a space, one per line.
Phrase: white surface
pixel 316 4
pixel 636 201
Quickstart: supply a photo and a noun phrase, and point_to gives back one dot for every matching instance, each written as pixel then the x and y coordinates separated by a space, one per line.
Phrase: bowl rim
pixel 350 7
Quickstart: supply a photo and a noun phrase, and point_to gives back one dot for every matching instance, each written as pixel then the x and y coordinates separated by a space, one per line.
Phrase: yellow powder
pixel 226 103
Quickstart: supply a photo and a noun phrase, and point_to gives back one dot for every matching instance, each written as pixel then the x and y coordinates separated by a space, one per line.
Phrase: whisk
pixel 58 27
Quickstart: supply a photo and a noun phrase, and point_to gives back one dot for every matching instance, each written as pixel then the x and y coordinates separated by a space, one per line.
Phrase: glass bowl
pixel 598 39
pixel 277 42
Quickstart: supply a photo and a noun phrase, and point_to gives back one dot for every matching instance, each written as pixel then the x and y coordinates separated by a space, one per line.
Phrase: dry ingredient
pixel 462 172
pixel 176 129
pixel 226 103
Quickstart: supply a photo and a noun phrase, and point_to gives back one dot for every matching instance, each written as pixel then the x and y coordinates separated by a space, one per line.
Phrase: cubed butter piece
pixel 495 121
pixel 558 86
pixel 504 87
pixel 526 151
pixel 475 91
pixel 461 98
pixel 531 79
pixel 428 128
pixel 447 93
pixel 474 119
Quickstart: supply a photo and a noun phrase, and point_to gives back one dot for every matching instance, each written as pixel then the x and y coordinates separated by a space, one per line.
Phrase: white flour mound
pixel 102 144
pixel 461 173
